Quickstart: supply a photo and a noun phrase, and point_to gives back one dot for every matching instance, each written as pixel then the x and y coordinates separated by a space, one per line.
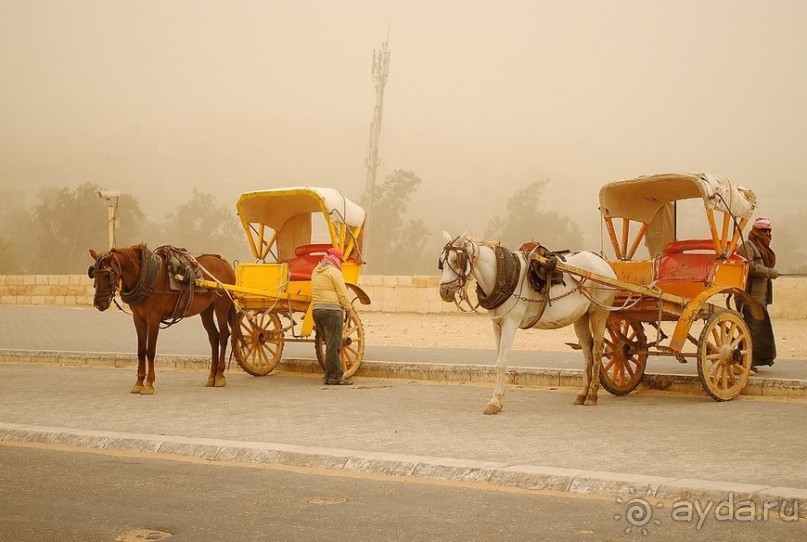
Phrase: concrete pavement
pixel 658 445
pixel 84 336
pixel 661 446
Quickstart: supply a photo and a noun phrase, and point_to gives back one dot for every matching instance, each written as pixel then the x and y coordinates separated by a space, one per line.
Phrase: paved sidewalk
pixel 667 446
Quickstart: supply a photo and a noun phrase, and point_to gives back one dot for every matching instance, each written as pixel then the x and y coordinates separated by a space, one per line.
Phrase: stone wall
pixel 416 294
pixel 67 290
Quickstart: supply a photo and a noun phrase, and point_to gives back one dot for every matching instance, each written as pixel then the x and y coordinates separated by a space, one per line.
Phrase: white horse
pixel 573 302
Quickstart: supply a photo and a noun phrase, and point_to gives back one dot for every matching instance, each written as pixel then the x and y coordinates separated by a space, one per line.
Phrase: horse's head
pixel 455 265
pixel 105 273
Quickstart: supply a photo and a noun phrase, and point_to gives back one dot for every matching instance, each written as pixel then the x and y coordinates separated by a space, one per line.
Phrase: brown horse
pixel 143 278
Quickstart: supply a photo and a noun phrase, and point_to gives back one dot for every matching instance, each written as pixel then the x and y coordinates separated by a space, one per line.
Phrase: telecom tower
pixel 380 73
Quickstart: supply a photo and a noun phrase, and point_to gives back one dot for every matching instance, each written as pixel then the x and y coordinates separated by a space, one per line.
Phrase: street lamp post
pixel 380 73
pixel 111 199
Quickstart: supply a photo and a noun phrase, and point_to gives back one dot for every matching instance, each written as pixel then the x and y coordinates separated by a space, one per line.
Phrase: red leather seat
pixel 317 248
pixel 301 267
pixel 306 259
pixel 676 263
pixel 689 244
pixel 682 266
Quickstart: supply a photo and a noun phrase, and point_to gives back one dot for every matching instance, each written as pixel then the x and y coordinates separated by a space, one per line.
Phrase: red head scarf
pixel 333 257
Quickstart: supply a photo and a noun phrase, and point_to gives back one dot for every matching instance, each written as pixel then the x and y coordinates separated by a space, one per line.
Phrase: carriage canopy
pixel 647 207
pixel 640 199
pixel 283 217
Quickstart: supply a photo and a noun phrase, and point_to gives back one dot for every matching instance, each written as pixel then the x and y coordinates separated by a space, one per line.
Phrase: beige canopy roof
pixel 288 212
pixel 641 198
pixel 275 207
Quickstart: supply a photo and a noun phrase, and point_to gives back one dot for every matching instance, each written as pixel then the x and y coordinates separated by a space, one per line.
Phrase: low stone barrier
pixel 414 294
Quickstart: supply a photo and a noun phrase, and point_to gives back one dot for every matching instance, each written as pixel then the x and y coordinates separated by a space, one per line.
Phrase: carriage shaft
pixel 257 292
pixel 616 283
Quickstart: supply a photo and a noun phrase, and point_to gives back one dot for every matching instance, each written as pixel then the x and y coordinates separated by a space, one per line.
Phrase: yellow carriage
pixel 289 230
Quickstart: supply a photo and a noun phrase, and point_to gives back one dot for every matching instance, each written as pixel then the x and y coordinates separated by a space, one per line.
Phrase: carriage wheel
pixel 352 351
pixel 724 355
pixel 624 356
pixel 258 352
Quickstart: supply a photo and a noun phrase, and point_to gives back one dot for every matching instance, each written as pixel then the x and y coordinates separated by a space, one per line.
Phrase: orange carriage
pixel 684 280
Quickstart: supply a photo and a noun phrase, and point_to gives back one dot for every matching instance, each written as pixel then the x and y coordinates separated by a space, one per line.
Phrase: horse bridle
pixel 465 261
pixel 99 269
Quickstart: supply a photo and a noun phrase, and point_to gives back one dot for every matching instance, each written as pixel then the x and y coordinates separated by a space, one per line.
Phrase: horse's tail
pixel 235 327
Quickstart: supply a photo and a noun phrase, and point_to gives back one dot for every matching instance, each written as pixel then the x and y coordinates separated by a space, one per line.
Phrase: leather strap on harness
pixel 508 271
pixel 149 268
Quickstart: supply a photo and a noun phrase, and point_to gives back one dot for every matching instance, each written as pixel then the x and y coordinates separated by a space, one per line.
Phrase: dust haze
pixel 158 98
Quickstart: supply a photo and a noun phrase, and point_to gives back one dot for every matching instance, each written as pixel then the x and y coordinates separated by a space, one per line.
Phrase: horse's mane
pixel 130 256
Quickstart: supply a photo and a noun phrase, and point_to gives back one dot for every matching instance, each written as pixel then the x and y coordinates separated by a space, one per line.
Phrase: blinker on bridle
pixel 98 269
pixel 461 263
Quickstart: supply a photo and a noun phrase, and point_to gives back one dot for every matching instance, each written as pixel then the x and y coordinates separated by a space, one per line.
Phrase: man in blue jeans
pixel 330 302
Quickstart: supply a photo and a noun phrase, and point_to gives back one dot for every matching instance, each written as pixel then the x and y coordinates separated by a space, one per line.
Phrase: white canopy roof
pixel 276 206
pixel 640 198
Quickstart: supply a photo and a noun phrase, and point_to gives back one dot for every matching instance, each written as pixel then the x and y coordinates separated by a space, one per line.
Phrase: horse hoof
pixel 221 382
pixel 210 382
pixel 591 401
pixel 580 400
pixel 137 388
pixel 492 409
pixel 147 390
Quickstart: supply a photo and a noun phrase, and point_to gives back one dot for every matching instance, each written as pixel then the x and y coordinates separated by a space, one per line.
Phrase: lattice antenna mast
pixel 380 73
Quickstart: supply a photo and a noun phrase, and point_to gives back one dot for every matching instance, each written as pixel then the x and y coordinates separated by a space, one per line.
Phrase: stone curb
pixel 531 477
pixel 433 372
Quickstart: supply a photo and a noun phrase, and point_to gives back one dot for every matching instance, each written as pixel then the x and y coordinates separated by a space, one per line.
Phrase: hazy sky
pixel 158 97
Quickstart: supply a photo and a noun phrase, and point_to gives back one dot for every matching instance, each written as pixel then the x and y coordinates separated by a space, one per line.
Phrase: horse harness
pixel 182 270
pixel 541 277
pixel 149 269
pixel 508 271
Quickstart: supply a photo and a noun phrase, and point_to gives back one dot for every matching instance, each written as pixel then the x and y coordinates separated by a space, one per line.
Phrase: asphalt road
pixel 49 494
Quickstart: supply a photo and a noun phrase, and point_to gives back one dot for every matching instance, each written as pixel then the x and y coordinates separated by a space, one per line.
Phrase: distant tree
pixel 396 246
pixel 8 256
pixel 526 220
pixel 70 222
pixel 18 239
pixel 202 226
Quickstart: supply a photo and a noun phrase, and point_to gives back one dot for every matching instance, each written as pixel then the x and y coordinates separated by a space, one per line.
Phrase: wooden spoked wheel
pixel 352 351
pixel 258 352
pixel 624 356
pixel 724 355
